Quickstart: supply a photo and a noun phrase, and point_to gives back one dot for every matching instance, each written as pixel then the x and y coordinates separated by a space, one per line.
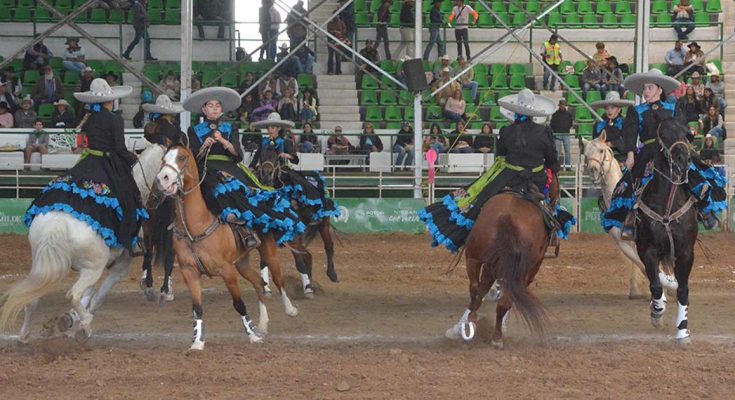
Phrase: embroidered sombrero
pixel 612 99
pixel 164 105
pixel 274 118
pixel 101 92
pixel 228 98
pixel 528 103
pixel 636 82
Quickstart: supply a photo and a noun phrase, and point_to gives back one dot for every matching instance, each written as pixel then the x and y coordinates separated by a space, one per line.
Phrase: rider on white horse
pixel 612 123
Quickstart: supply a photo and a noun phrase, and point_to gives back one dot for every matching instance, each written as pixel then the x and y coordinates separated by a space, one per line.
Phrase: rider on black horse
pixel 525 159
pixel 612 123
pixel 641 124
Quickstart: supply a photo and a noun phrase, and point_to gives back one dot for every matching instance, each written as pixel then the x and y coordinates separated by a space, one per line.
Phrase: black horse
pixel 270 173
pixel 667 222
pixel 158 243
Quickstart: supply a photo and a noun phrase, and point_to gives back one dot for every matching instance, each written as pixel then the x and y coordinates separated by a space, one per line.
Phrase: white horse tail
pixel 51 263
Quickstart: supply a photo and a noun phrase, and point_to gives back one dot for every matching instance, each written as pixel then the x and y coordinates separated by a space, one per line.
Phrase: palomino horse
pixel 667 223
pixel 270 173
pixel 61 243
pixel 204 246
pixel 605 171
pixel 507 245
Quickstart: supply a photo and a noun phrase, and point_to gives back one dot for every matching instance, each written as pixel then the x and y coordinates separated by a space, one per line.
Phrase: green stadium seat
pixel 154 74
pixel 25 3
pixel 498 6
pixel 97 65
pixel 154 16
pixel 513 8
pixel 173 17
pixel 627 21
pixel 56 63
pixel 487 98
pixel 496 115
pixel 589 21
pixel 369 97
pixel 593 95
pixel 231 80
pixel 173 5
pixel 554 20
pixel 713 7
pixel 572 100
pixel 498 69
pixel 584 7
pixel 471 110
pixel 572 21
pixel 7 4
pixel 362 20
pixel 393 125
pixel 663 21
pixel 499 82
pixel 408 113
pixel 158 4
pixel 518 20
pixel 305 80
pixel 518 69
pixel 696 5
pixel 622 7
pixel 486 20
pixel 503 16
pixel 71 80
pixel 480 69
pixel 388 98
pixel 467 96
pixel 579 66
pixel 373 114
pixel 395 21
pixel 562 70
pixel 434 113
pixel 374 6
pixel 405 98
pixel 63 4
pixel 567 8
pixel 368 82
pixel 113 66
pixel 30 77
pixel 659 66
pixel 41 14
pixel 517 82
pixel 610 21
pixel 572 80
pixel 701 19
pixel 585 130
pixel 98 16
pixel 22 14
pixel 45 111
pixel 603 7
pixel 659 7
pixel 582 115
pixel 360 5
pixel 387 83
pixel 117 16
pixel 393 113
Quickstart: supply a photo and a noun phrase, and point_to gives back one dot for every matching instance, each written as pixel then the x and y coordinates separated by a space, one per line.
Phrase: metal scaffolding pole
pixel 417 117
pixel 186 56
pixel 642 32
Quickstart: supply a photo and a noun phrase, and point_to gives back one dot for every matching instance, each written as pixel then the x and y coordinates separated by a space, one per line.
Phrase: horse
pixel 157 241
pixel 61 243
pixel 204 246
pixel 269 173
pixel 604 170
pixel 666 223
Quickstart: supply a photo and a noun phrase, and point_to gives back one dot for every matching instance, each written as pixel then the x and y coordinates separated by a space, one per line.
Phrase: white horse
pixel 605 171
pixel 61 243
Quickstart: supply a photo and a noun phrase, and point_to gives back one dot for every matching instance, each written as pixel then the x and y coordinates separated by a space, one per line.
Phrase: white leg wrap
pixel 198 342
pixel 250 330
pixel 265 276
pixel 682 322
pixel 263 319
pixel 658 306
pixel 291 311
pixel 305 281
pixel 465 316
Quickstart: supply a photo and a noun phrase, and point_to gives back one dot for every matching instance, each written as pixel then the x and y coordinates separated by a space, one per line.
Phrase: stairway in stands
pixel 728 65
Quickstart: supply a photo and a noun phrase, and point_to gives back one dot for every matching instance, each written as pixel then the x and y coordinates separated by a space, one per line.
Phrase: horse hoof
pixel 495 293
pixel 309 293
pixel 683 339
pixel 292 312
pixel 150 294
pixel 65 323
pixel 263 328
pixel 268 292
pixel 197 345
pixel 332 276
pixel 255 338
pixel 453 332
pixel 468 331
pixel 497 344
pixel 636 296
pixel 24 339
pixel 657 322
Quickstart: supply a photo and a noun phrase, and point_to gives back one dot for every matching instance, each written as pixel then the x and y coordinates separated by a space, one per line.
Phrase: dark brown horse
pixel 507 244
pixel 204 246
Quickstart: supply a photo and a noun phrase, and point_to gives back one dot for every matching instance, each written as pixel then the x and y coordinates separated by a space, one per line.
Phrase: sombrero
pixel 274 118
pixel 528 103
pixel 101 92
pixel 163 105
pixel 612 99
pixel 636 82
pixel 228 98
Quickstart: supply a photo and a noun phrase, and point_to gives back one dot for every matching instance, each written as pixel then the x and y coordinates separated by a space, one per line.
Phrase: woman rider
pixel 525 150
pixel 641 124
pixel 612 123
pixel 99 189
pixel 215 143
pixel 307 188
pixel 163 128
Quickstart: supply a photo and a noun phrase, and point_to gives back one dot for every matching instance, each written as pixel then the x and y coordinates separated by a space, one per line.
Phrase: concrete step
pixel 355 125
pixel 320 68
pixel 348 84
pixel 346 117
pixel 343 99
pixel 338 109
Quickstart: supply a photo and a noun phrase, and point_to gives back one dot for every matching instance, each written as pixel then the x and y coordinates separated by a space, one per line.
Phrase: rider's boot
pixel 246 237
pixel 628 231
pixel 710 220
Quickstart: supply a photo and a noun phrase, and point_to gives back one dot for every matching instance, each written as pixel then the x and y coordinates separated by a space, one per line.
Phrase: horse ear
pixel 585 142
pixel 603 136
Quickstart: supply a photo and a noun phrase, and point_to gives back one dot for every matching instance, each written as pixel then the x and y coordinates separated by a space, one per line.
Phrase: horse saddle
pixel 245 238
pixel 530 192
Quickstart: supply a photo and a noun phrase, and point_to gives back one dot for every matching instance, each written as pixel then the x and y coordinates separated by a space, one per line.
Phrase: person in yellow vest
pixel 552 57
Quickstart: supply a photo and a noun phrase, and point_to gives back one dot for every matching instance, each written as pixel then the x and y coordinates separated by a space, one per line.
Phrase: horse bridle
pixel 669 158
pixel 608 154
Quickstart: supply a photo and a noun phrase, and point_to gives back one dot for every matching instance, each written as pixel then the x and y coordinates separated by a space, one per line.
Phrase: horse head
pixel 675 154
pixel 268 167
pixel 145 170
pixel 598 158
pixel 178 171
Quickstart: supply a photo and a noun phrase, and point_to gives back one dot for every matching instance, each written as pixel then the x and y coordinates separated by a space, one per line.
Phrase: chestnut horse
pixel 203 245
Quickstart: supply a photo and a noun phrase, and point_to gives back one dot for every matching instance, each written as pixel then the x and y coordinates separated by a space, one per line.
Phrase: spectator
pixel 683 19
pixel 695 56
pixel 369 141
pixel 264 27
pixel 675 59
pixel 348 17
pixel 688 106
pixel 140 24
pixel 287 105
pixel 712 123
pixel 601 55
pixel 436 20
pixel 7 98
pixel 36 142
pixel 561 124
pixel 371 54
pixel 267 105
pixel 718 90
pixel 248 81
pixel 591 77
pixel 12 83
pixel 308 141
pixel 25 117
pixel 283 53
pixel 443 63
pixel 48 89
pixel 107 4
pixel 74 60
pixel 268 83
pixel 37 57
pixel 275 20
pixel 403 148
pixel 338 29
pixel 484 142
pixel 338 143
pixel 697 84
pixel 708 99
pixel 284 82
pixel 6 118
pixel 295 28
pixel 196 83
pixel 435 140
pixel 170 85
pixel 112 80
pixel 290 67
pixel 459 141
pixel 448 91
pixel 308 110
pixel 209 12
pixel 62 117
pixel 455 107
pixel 612 77
pixel 407 26
pixel 248 105
pixel 553 58
pixel 709 152
pixel 304 60
pixel 86 79
pixel 462 13
pixel 381 27
pixel 467 80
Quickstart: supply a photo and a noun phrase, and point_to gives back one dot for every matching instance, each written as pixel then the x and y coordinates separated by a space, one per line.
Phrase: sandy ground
pixel 379 334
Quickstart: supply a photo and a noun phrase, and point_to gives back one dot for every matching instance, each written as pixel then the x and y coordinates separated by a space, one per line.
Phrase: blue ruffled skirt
pixel 309 190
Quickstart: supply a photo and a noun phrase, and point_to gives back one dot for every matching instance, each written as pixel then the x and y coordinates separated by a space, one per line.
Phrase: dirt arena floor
pixel 378 334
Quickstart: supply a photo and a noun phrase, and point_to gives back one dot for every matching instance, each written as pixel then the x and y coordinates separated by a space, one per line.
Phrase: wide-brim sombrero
pixel 101 92
pixel 164 105
pixel 274 119
pixel 228 98
pixel 637 81
pixel 612 99
pixel 528 103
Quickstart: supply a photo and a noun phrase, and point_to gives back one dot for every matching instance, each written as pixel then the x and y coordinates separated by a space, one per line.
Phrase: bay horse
pixel 60 243
pixel 506 247
pixel 666 223
pixel 204 246
pixel 269 173
pixel 604 170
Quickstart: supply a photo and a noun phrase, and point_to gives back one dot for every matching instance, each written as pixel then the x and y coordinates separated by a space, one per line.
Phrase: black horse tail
pixel 310 233
pixel 509 254
pixel 162 237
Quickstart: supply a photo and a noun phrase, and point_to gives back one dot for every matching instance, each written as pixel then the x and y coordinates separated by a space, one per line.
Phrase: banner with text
pixel 379 215
pixel 11 215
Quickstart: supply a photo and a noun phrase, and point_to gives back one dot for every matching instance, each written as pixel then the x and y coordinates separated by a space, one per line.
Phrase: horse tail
pixel 162 236
pixel 510 255
pixel 51 263
pixel 310 233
